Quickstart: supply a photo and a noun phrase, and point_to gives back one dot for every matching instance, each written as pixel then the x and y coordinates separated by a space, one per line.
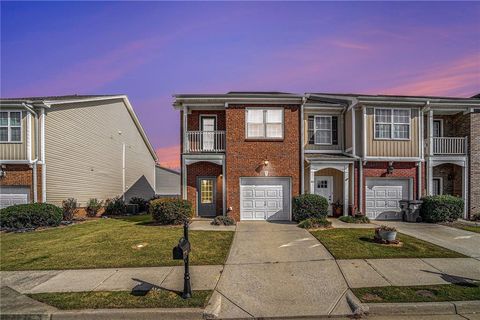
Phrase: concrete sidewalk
pixel 123 279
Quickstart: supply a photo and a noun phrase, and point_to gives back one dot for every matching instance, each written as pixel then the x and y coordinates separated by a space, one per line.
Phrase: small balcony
pixel 204 141
pixel 447 146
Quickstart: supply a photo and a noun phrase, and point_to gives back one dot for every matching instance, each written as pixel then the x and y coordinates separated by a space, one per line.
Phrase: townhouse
pixel 247 154
pixel 54 148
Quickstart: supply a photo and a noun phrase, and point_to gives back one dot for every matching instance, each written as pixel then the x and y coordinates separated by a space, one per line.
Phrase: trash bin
pixel 410 210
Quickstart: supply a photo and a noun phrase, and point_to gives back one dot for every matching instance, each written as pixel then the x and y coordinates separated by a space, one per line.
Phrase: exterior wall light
pixel 390 168
pixel 265 163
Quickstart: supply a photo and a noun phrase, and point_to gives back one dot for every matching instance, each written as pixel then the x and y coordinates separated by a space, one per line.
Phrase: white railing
pixel 205 141
pixel 448 145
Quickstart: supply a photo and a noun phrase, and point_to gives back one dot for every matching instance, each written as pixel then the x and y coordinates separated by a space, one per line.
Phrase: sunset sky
pixel 151 50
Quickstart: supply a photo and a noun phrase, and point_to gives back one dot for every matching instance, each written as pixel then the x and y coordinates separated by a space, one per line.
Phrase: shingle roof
pixel 64 97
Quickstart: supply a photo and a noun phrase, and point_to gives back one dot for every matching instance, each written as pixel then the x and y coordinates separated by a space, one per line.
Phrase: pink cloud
pixel 169 156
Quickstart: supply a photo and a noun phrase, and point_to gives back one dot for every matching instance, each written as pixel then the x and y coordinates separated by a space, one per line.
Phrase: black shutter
pixel 335 130
pixel 311 132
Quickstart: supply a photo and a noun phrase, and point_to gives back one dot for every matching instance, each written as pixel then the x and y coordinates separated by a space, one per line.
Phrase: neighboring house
pixel 247 154
pixel 54 148
pixel 167 182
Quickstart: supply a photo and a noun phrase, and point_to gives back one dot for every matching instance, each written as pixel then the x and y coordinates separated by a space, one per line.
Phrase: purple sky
pixel 150 50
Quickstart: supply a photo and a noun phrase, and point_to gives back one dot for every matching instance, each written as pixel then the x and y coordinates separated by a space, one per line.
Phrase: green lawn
pixel 471 228
pixel 432 293
pixel 359 244
pixel 108 243
pixel 122 299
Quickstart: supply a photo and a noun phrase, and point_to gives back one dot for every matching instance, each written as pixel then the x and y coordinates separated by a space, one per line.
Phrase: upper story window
pixel 392 124
pixel 10 126
pixel 323 130
pixel 265 123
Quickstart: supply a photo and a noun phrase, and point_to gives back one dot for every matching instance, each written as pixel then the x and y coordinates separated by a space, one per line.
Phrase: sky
pixel 151 50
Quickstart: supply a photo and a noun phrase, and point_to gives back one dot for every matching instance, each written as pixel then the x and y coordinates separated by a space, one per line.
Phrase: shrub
pixel 356 219
pixel 69 208
pixel 170 210
pixel 223 221
pixel 115 206
pixel 93 206
pixel 441 208
pixel 31 215
pixel 309 206
pixel 312 223
pixel 142 203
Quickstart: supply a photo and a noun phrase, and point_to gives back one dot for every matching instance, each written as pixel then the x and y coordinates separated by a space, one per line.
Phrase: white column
pixel 345 190
pixel 224 187
pixel 429 177
pixel 184 179
pixel 29 136
pixel 465 188
pixel 185 142
pixel 34 181
pixel 360 187
pixel 123 172
pixel 42 152
pixel 352 184
pixel 312 180
pixel 430 132
pixel 419 180
pixel 302 152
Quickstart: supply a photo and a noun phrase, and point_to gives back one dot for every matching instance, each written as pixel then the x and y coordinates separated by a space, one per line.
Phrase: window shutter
pixel 311 132
pixel 335 130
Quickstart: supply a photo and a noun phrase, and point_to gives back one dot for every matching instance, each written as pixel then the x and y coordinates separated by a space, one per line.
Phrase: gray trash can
pixel 410 210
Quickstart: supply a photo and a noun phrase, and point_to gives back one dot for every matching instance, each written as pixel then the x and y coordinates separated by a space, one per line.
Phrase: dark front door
pixel 206 188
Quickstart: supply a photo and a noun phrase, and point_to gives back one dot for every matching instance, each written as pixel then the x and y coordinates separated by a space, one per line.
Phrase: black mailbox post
pixel 180 252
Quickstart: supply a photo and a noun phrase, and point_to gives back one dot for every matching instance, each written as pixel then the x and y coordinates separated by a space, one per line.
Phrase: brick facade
pixel 204 169
pixel 474 163
pixel 22 175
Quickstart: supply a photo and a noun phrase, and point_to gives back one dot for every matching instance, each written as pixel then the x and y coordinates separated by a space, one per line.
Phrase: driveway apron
pixel 278 269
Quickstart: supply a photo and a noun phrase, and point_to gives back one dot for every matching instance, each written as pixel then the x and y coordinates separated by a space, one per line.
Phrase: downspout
pixel 34 162
pixel 302 147
pixel 42 152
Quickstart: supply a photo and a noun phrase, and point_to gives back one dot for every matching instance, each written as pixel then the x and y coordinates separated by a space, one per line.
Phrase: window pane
pixel 3 118
pixel 254 116
pixel 206 191
pixel 383 115
pixel 4 134
pixel 383 131
pixel 323 136
pixel 401 116
pixel 274 116
pixel 323 123
pixel 15 134
pixel 400 131
pixel 274 130
pixel 255 130
pixel 15 118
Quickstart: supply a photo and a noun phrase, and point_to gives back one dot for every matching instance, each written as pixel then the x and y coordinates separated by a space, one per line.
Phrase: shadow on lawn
pixel 143 288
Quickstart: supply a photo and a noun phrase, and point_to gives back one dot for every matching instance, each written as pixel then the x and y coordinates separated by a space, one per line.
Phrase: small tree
pixel 115 206
pixel 69 208
pixel 93 206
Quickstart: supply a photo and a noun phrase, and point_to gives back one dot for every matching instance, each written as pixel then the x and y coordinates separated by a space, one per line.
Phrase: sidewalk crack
pixel 101 282
pixel 377 271
pixel 251 315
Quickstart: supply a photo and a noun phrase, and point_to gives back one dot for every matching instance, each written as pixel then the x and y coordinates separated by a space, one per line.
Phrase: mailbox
pixel 181 251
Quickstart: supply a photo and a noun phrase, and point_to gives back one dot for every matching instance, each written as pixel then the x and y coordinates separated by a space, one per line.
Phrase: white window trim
pixel 441 126
pixel 392 124
pixel 8 126
pixel 315 130
pixel 440 190
pixel 264 137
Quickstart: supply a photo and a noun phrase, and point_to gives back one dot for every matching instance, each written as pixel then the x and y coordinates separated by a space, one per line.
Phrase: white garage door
pixel 13 195
pixel 383 196
pixel 264 199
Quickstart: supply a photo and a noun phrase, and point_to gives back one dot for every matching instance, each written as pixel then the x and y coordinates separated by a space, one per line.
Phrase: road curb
pixel 424 308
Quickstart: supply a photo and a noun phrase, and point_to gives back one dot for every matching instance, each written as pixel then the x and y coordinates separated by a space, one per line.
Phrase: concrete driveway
pixel 465 242
pixel 278 269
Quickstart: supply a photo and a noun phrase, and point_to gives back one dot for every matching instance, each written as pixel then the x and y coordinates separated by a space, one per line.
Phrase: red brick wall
pixel 204 169
pixel 193 119
pixel 244 158
pixel 22 175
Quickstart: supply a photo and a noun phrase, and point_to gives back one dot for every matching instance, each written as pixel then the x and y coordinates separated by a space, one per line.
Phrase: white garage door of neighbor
pixel 383 196
pixel 13 195
pixel 264 202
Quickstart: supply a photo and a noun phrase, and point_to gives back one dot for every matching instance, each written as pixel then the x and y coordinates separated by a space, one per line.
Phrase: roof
pixel 328 156
pixel 222 99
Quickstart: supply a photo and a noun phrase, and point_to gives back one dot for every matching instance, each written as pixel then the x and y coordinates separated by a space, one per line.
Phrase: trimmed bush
pixel 69 208
pixel 93 206
pixel 312 223
pixel 142 203
pixel 356 219
pixel 223 221
pixel 309 206
pixel 31 215
pixel 442 208
pixel 170 210
pixel 115 206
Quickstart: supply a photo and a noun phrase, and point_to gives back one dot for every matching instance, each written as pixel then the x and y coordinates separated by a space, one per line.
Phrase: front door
pixel 324 188
pixel 208 127
pixel 206 188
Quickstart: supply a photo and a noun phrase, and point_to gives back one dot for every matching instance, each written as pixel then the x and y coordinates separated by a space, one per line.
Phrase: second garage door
pixel 265 199
pixel 383 196
pixel 10 195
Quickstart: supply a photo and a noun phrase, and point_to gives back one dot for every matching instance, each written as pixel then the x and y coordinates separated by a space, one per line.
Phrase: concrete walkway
pixel 123 279
pixel 465 242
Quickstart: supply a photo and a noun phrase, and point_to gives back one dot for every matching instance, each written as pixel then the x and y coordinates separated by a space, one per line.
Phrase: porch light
pixel 265 163
pixel 390 169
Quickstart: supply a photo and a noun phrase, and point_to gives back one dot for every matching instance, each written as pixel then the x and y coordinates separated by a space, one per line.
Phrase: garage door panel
pixel 247 204
pixel 247 192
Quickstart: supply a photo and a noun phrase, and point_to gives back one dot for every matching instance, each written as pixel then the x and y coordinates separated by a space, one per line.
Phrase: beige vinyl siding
pixel 84 152
pixel 15 151
pixel 359 132
pixel 348 129
pixel 308 146
pixel 392 148
pixel 167 182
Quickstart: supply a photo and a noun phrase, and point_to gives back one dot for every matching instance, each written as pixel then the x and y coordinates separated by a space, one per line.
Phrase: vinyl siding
pixel 348 129
pixel 167 183
pixel 84 153
pixel 392 148
pixel 15 151
pixel 323 147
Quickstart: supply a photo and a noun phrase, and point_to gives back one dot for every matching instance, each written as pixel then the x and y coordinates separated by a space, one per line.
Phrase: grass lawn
pixel 108 243
pixel 122 299
pixel 471 228
pixel 359 244
pixel 463 226
pixel 433 293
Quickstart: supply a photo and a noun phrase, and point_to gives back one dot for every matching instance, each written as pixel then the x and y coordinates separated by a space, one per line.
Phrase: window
pixel 265 123
pixel 392 124
pixel 206 191
pixel 323 130
pixel 10 126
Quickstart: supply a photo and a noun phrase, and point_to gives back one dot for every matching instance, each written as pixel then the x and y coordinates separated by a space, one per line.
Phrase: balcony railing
pixel 447 146
pixel 205 141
